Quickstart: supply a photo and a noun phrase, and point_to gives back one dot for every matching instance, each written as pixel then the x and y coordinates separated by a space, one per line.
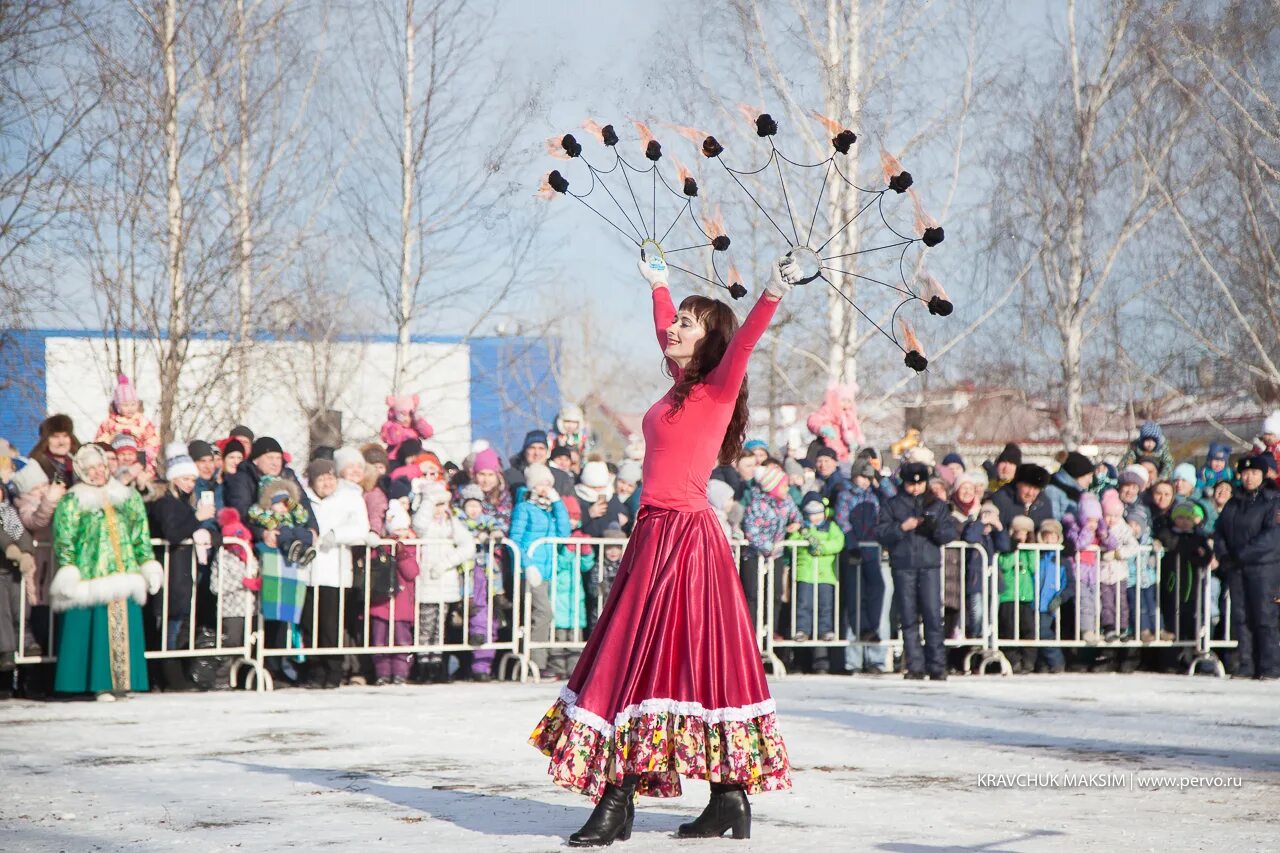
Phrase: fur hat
pixel 1023 523
pixel 537 474
pixel 1089 507
pixel 55 424
pixel 317 468
pixel 28 477
pixel 1185 471
pixel 1031 475
pixel 471 492
pixel 270 489
pixel 1077 464
pixel 719 493
pixel 571 412
pixel 1263 462
pixel 1051 525
pixel 345 457
pixel 914 472
pixel 124 393
pixel 1133 475
pixel 487 460
pixel 1271 426
pixel 630 472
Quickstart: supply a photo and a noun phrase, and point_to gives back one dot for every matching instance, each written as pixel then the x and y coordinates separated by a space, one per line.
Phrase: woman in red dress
pixel 670 683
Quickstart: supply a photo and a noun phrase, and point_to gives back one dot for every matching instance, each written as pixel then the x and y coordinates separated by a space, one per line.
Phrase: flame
pixel 690 133
pixel 646 135
pixel 890 165
pixel 544 190
pixel 923 219
pixel 750 113
pixel 555 149
pixel 931 287
pixel 682 170
pixel 910 341
pixel 713 224
pixel 733 274
pixel 595 128
pixel 833 127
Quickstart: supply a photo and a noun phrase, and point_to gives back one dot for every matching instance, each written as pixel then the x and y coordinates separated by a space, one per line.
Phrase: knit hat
pixel 630 472
pixel 1051 525
pixel 868 453
pixel 124 441
pixel 199 449
pixel 400 487
pixel 536 474
pixel 1011 453
pixel 242 431
pixel 1185 471
pixel 471 492
pixel 1189 510
pixel 822 451
pixel 914 472
pixel 595 475
pixel 1031 475
pixel 1151 430
pixel 755 444
pixel 1133 475
pixel 179 466
pixel 1023 523
pixel 1089 506
pixel 29 477
pixel 1218 450
pixel 406 450
pixel 1139 515
pixel 614 531
pixel 345 457
pixel 125 392
pixel 792 468
pixel 533 437
pixel 719 493
pixel 571 412
pixel 812 504
pixel 1271 426
pixel 375 454
pixel 1111 504
pixel 561 452
pixel 232 444
pixel 953 458
pixel 769 479
pixel 1077 464
pixel 317 468
pixel 863 469
pixel 487 460
pixel 264 445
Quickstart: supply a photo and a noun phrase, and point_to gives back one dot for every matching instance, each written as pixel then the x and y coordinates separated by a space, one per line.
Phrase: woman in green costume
pixel 106 569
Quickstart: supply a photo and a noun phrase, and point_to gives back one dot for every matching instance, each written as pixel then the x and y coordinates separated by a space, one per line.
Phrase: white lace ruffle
pixel 652 706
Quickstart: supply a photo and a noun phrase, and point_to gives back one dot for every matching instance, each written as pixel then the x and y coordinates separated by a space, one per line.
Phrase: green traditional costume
pixel 106 568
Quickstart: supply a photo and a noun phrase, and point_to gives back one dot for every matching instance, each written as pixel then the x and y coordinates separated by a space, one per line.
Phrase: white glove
pixel 654 269
pixel 372 539
pixel 786 272
pixel 328 540
pixel 533 576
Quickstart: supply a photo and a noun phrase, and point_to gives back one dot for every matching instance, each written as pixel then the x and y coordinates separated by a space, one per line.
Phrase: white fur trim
pixel 91 497
pixel 653 706
pixel 153 572
pixel 68 590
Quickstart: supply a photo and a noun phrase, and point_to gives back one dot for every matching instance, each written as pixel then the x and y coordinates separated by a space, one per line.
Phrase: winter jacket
pixel 920 548
pixel 816 560
pixel 864 512
pixel 1161 454
pixel 406 599
pixel 766 518
pixel 966 569
pixel 1017 576
pixel 210 485
pixel 529 523
pixel 573 566
pixel 173 519
pixel 595 527
pixel 450 548
pixel 1248 530
pixel 1055 586
pixel 344 515
pixel 241 492
pixel 1006 500
pixel 837 491
pixel 394 433
pixel 139 427
pixel 1063 494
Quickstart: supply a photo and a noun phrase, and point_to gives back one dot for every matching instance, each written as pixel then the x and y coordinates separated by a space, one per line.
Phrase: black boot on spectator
pixel 729 810
pixel 612 817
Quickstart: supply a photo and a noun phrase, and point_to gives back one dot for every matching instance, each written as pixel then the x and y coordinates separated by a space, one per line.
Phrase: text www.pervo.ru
pixel 1103 780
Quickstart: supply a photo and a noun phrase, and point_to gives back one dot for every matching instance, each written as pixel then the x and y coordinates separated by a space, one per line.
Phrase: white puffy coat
pixel 450 546
pixel 344 514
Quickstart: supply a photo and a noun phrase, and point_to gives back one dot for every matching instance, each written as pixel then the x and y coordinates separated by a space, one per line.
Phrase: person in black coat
pixel 1247 545
pixel 913 527
pixel 1024 496
pixel 266 459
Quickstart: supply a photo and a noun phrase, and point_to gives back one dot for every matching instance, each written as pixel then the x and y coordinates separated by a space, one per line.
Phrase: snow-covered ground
pixel 880 764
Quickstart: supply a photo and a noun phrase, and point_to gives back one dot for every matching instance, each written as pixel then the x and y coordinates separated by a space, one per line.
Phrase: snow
pixel 880 764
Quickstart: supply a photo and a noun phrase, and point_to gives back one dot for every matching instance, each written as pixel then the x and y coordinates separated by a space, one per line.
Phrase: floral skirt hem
pixel 661 746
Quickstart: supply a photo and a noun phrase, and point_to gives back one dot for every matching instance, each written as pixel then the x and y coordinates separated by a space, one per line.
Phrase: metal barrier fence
pixel 233 634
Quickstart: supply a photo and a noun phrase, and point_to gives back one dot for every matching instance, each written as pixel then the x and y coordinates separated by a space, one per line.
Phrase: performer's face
pixel 683 336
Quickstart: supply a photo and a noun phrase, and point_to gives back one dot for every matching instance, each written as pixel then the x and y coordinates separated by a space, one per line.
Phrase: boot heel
pixel 742 829
pixel 625 834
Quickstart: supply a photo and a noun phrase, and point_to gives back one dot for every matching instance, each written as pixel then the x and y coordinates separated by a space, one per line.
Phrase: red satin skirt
pixel 670 683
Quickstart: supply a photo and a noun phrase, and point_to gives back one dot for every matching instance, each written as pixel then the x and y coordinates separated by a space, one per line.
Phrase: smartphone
pixel 206 498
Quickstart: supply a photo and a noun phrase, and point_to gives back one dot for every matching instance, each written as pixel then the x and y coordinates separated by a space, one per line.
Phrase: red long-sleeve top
pixel 680 451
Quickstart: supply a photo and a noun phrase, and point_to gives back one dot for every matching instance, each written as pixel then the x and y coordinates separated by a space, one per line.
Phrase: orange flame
pixel 931 287
pixel 749 113
pixel 890 165
pixel 690 133
pixel 544 190
pixel 682 170
pixel 833 127
pixel 923 219
pixel 594 127
pixel 555 149
pixel 909 339
pixel 733 274
pixel 713 224
pixel 646 135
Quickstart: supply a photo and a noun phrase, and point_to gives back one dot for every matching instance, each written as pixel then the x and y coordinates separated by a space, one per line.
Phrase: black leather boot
pixel 728 810
pixel 612 817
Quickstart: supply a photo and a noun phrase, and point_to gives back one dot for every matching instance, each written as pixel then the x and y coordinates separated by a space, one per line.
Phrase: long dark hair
pixel 720 324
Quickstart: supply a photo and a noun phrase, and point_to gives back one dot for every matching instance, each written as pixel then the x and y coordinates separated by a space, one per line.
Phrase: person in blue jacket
pixel 1247 545
pixel 913 527
pixel 540 514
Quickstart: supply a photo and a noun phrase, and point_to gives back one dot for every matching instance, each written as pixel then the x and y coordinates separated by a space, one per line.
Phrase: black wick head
pixel 915 361
pixel 720 243
pixel 570 145
pixel 558 182
pixel 711 148
pixel 737 291
pixel 900 182
pixel 932 236
pixel 940 307
pixel 653 150
pixel 844 140
pixel 608 135
pixel 690 187
pixel 765 125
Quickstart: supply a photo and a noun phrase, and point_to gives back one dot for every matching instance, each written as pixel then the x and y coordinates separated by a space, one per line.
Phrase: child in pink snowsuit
pixel 125 417
pixel 403 423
